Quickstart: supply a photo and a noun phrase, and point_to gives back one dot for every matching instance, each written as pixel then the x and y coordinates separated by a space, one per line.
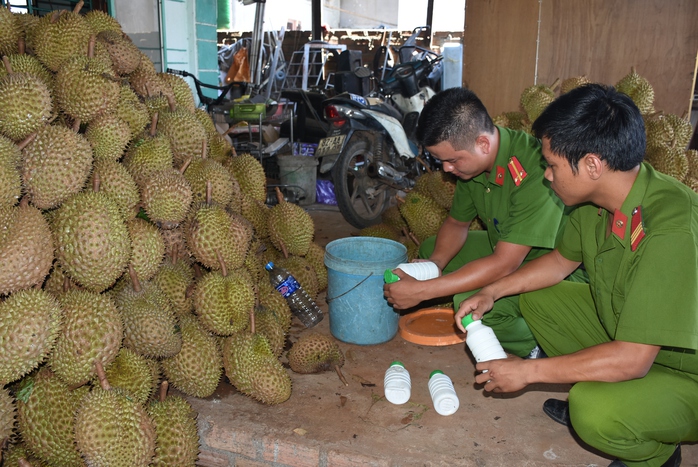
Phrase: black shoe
pixel 673 461
pixel 558 410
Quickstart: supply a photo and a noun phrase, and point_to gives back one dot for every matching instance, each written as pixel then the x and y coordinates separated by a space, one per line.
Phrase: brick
pixel 242 462
pixel 213 459
pixel 345 459
pixel 239 442
pixel 290 453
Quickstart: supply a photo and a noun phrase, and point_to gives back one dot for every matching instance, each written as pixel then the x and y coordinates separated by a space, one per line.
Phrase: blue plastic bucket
pixel 359 313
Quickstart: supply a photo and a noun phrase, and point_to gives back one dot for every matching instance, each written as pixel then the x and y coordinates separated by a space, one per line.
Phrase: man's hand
pixel 403 293
pixel 477 304
pixel 505 375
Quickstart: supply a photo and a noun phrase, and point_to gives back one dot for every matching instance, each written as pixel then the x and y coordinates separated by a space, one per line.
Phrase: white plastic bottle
pixel 397 383
pixel 422 270
pixel 481 340
pixel 443 394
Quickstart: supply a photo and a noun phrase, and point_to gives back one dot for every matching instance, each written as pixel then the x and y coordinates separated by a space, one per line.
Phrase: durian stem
pixel 134 278
pixel 190 290
pixel 21 46
pixel 95 182
pixel 23 144
pixel 405 232
pixel 172 103
pixel 555 84
pixel 184 166
pixel 66 284
pixel 399 200
pixel 414 238
pixel 204 147
pixel 24 202
pixel 78 7
pixel 55 15
pixel 174 253
pixel 232 148
pixel 197 270
pixel 154 123
pixel 147 90
pixel 252 323
pixel 163 390
pixel 632 70
pixel 341 376
pixel 279 195
pixel 102 376
pixel 76 125
pixel 209 192
pixel 428 169
pixel 224 270
pixel 6 62
pixel 91 47
pixel 22 462
pixel 284 250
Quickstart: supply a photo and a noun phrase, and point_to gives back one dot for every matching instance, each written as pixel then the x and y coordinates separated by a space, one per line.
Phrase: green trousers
pixel 638 421
pixel 505 318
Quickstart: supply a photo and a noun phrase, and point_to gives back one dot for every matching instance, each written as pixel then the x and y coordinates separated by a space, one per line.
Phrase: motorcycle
pixel 370 148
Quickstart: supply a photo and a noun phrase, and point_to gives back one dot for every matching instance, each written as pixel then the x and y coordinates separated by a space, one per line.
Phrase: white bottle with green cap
pixel 443 394
pixel 481 340
pixel 397 383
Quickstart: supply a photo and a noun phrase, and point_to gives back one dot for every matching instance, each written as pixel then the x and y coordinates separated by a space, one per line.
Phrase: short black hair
pixel 455 115
pixel 594 119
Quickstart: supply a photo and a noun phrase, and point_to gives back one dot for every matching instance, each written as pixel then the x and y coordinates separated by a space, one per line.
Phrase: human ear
pixel 483 142
pixel 593 165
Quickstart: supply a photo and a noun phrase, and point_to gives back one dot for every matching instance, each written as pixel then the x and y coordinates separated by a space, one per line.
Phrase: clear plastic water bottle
pixel 481 340
pixel 397 383
pixel 443 394
pixel 302 306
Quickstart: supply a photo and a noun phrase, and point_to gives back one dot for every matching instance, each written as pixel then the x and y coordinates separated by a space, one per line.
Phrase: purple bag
pixel 324 193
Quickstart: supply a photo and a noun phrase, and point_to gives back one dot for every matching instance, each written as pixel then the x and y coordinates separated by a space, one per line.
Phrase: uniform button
pixel 599 260
pixel 487 189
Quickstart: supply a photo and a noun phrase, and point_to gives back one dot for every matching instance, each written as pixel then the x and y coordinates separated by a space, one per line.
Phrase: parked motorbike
pixel 370 147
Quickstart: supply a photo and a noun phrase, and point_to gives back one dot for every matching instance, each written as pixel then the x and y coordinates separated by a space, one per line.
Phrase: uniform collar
pixel 622 218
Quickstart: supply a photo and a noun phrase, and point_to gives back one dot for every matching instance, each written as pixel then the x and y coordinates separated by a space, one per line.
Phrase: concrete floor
pixel 326 423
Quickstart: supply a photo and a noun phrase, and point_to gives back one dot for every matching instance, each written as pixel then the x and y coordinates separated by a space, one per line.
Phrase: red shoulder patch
pixel 516 170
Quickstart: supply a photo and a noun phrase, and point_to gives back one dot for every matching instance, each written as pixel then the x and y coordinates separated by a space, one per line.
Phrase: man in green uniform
pixel 628 339
pixel 500 179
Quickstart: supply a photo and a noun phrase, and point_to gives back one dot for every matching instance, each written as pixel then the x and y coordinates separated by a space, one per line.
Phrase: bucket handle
pixel 328 300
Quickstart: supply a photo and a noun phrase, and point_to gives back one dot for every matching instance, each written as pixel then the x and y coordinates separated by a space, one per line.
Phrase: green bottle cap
pixel 467 319
pixel 435 372
pixel 390 277
pixel 397 363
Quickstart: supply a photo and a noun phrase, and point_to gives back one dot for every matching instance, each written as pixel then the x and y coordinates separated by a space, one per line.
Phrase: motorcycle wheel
pixel 361 199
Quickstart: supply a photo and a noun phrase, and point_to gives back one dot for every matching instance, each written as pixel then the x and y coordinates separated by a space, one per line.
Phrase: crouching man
pixel 628 339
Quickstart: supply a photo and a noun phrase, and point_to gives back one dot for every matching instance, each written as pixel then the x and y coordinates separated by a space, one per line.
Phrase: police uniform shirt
pixel 643 275
pixel 514 201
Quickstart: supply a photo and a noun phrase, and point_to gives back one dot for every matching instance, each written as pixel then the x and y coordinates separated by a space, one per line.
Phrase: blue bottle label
pixel 288 286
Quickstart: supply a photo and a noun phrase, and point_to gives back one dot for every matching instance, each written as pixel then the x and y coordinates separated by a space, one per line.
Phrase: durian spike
pixel 414 238
pixel 341 376
pixel 279 195
pixel 224 270
pixel 76 125
pixel 164 386
pixel 209 192
pixel 78 7
pixel 203 149
pixel 134 278
pixel 6 62
pixel 21 46
pixel 91 46
pixel 154 124
pixel 22 462
pixel 185 165
pixel 99 369
pixel 95 182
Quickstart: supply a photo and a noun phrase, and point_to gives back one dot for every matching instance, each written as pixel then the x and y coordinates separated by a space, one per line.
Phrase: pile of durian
pixel 419 213
pixel 132 249
pixel 668 135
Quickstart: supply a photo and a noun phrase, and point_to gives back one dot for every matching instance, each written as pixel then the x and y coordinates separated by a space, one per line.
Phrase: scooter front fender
pixel 396 132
